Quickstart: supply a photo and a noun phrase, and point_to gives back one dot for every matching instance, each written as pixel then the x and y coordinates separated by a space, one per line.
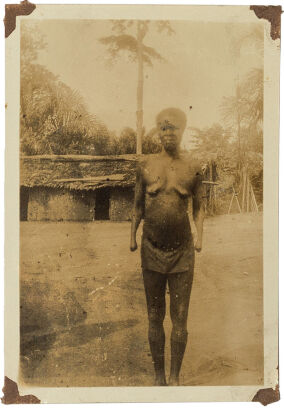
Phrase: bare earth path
pixel 83 307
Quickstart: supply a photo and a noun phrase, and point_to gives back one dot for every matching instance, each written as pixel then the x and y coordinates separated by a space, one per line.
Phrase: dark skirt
pixel 176 260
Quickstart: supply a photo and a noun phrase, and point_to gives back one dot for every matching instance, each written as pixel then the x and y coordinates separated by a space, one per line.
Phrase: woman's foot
pixel 173 381
pixel 160 381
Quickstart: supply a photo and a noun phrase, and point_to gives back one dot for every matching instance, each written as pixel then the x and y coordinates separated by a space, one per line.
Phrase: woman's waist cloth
pixel 167 259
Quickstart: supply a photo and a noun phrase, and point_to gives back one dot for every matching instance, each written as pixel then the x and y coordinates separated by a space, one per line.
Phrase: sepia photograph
pixel 141 203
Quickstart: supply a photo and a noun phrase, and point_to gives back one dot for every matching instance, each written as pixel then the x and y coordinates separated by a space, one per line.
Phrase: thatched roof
pixel 78 171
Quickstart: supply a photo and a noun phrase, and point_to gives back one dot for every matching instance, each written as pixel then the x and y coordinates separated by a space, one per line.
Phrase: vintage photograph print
pixel 141 200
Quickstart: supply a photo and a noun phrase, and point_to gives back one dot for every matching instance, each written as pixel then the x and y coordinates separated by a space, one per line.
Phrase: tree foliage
pixel 246 110
pixel 126 143
pixel 125 41
pixel 54 118
pixel 240 139
pixel 129 44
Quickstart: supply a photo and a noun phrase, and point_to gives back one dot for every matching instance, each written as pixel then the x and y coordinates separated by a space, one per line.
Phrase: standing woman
pixel 164 184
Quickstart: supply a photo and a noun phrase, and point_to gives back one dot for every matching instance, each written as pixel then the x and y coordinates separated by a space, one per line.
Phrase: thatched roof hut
pixel 78 172
pixel 77 187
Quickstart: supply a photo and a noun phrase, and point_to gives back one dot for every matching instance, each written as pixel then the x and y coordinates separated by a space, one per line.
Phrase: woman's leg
pixel 180 288
pixel 155 288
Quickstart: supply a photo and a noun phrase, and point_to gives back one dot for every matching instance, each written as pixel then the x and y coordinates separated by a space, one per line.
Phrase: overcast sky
pixel 202 64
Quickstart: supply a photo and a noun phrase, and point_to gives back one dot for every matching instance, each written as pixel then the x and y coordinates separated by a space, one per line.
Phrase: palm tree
pixel 139 53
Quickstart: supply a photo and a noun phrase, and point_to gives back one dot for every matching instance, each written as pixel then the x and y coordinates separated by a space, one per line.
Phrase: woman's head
pixel 171 124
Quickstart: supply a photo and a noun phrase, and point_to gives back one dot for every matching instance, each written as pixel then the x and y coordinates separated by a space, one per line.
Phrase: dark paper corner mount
pixel 12 11
pixel 12 395
pixel 267 396
pixel 273 15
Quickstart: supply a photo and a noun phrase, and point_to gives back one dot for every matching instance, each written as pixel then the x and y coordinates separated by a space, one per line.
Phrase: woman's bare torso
pixel 168 184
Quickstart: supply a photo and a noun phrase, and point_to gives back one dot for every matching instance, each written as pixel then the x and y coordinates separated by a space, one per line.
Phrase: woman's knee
pixel 179 332
pixel 179 320
pixel 156 317
pixel 156 327
pixel 179 313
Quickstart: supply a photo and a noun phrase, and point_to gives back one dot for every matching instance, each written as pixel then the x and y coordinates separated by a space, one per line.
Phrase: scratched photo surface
pixel 90 91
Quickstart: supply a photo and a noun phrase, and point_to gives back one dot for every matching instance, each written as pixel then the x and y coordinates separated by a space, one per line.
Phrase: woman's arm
pixel 138 209
pixel 198 209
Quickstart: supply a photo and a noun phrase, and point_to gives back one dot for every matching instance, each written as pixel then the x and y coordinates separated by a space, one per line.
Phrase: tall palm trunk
pixel 239 126
pixel 139 112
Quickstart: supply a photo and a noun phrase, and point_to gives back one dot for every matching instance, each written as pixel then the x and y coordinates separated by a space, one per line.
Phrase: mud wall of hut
pixel 49 204
pixel 121 203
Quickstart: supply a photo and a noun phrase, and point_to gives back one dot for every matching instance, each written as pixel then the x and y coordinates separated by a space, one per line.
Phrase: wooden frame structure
pixel 248 200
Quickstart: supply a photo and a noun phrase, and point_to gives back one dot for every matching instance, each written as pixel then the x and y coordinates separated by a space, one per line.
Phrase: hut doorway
pixel 24 201
pixel 102 204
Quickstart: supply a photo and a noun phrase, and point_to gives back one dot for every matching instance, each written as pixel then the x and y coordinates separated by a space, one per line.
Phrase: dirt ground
pixel 83 311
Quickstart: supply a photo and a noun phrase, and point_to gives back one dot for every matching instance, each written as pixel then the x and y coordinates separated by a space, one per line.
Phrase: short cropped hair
pixel 173 116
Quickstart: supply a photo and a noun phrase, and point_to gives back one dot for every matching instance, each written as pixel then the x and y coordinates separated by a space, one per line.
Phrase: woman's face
pixel 170 135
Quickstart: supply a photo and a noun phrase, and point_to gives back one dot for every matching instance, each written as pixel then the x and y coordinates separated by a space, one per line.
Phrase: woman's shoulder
pixel 192 163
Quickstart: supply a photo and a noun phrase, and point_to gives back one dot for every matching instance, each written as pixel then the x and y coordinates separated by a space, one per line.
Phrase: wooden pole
pixel 253 198
pixel 251 203
pixel 244 189
pixel 253 208
pixel 229 210
pixel 234 192
pixel 238 122
pixel 139 112
pixel 210 190
pixel 247 193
